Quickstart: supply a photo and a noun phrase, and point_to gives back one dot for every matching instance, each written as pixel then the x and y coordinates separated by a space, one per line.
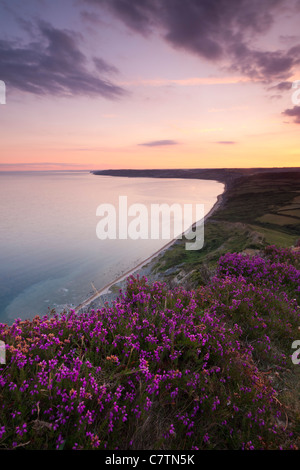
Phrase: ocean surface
pixel 50 255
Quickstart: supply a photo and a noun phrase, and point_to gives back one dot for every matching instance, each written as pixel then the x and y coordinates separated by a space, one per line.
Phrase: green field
pixel 253 215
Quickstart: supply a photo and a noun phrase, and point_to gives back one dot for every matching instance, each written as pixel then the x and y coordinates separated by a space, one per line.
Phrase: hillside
pixel 161 368
pixel 257 210
pixel 204 359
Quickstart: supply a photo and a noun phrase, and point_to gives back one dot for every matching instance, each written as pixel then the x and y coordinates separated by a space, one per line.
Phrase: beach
pixel 146 268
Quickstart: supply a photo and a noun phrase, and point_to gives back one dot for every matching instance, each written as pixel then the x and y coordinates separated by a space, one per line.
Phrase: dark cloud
pixel 158 143
pixel 217 30
pixel 294 112
pixel 104 67
pixel 282 86
pixel 137 15
pixel 263 65
pixel 226 142
pixel 54 64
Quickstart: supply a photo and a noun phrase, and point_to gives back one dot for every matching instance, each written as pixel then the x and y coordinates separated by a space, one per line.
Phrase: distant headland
pixel 223 175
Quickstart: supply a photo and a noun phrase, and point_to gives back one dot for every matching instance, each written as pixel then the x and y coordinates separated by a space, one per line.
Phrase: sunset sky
pixel 95 84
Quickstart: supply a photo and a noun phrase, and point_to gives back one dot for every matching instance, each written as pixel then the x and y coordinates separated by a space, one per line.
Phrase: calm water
pixel 50 255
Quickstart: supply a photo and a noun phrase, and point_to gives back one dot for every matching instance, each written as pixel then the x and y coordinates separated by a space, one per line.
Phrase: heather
pixel 161 368
pixel 270 270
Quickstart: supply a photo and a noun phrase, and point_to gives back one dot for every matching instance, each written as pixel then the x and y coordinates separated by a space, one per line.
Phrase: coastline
pixel 145 268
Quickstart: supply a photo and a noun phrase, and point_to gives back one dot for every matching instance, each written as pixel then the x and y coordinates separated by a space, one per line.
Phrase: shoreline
pixel 142 266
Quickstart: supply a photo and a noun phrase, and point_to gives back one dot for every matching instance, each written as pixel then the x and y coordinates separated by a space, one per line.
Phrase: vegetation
pixel 208 368
pixel 201 362
pixel 249 219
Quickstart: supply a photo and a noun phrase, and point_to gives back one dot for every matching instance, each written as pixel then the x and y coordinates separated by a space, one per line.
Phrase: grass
pixel 278 219
pixel 249 219
pixel 274 236
pixel 162 368
pixel 294 212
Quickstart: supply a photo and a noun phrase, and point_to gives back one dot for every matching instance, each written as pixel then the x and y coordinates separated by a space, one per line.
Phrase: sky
pixel 104 84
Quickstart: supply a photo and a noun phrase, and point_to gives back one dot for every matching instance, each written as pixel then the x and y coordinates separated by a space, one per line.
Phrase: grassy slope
pixel 239 224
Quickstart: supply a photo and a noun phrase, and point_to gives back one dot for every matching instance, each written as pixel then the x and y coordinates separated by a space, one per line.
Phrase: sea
pixel 51 255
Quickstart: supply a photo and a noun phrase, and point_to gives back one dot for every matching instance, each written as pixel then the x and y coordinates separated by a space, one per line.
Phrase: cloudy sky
pixel 149 84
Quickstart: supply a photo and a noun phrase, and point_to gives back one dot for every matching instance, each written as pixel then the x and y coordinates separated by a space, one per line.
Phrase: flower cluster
pixel 275 271
pixel 159 368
